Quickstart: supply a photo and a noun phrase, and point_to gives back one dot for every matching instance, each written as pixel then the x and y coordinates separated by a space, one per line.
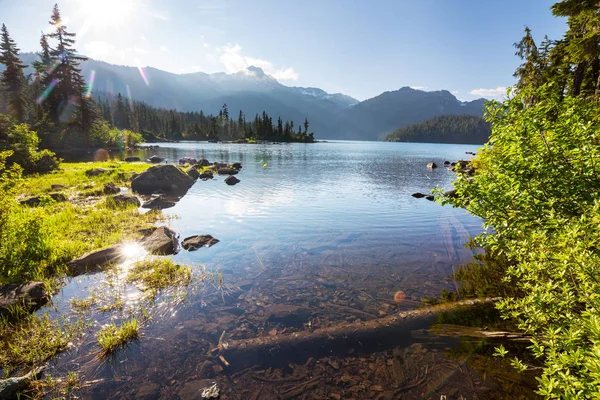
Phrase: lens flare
pixel 46 92
pixel 399 297
pixel 67 110
pixel 129 98
pixel 142 72
pixel 90 86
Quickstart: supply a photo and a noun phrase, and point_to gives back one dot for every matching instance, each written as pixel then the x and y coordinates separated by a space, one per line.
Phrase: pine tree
pixel 13 79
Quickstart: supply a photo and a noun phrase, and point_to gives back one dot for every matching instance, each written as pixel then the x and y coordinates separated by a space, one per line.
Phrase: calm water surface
pixel 327 226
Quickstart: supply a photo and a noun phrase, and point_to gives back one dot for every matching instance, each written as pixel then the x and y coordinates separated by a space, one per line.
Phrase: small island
pixel 459 129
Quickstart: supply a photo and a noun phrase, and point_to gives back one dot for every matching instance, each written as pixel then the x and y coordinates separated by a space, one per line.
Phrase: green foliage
pixel 159 273
pixel 537 186
pixel 102 135
pixel 112 338
pixel 444 129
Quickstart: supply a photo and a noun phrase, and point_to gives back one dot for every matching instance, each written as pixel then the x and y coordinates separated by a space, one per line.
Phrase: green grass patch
pixel 112 338
pixel 158 273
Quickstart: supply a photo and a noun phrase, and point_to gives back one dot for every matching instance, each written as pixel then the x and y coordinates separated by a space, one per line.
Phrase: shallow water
pixel 327 226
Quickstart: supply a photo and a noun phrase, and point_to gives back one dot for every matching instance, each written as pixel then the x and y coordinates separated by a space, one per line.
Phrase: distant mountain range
pixel 332 116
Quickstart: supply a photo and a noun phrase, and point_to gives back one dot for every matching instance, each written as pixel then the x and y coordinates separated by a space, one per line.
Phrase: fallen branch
pixel 372 335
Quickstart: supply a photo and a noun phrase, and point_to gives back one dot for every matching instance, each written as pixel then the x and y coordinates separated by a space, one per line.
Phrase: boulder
pixel 97 171
pixel 206 175
pixel 125 199
pixel 203 162
pixel 231 180
pixel 94 260
pixel 193 243
pixel 111 188
pixel 34 201
pixel 187 160
pixel 31 295
pixel 227 171
pixel 193 173
pixel 432 165
pixel 236 165
pixel 418 195
pixel 219 165
pixel 287 314
pixel 156 159
pixel 446 162
pixel 162 241
pixel 133 159
pixel 58 187
pixel 159 203
pixel 167 178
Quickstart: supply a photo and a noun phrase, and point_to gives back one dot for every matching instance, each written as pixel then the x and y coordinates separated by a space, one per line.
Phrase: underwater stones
pixel 288 315
pixel 193 243
pixel 30 295
pixel 232 180
pixel 167 178
pixel 163 241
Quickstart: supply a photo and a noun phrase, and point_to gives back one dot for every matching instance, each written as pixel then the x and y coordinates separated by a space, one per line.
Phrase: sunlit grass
pixel 158 273
pixel 112 338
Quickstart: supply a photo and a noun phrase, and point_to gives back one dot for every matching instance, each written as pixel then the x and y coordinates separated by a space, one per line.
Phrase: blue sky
pixel 357 47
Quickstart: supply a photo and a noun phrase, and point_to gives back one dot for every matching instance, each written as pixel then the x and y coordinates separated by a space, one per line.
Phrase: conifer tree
pixel 12 79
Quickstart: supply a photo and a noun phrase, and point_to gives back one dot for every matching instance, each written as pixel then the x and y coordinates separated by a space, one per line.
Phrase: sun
pixel 107 14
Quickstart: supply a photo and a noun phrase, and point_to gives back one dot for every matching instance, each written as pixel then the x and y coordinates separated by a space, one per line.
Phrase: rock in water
pixel 287 314
pixel 236 165
pixel 31 295
pixel 231 180
pixel 227 171
pixel 125 199
pixel 430 197
pixel 167 178
pixel 159 203
pixel 156 159
pixel 432 165
pixel 195 242
pixel 418 195
pixel 94 260
pixel 206 175
pixel 162 241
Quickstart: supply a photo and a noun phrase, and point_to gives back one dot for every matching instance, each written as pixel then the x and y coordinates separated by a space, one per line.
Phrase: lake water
pixel 329 227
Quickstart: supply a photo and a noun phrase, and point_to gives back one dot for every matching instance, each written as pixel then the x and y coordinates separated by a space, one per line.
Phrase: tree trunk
pixel 578 78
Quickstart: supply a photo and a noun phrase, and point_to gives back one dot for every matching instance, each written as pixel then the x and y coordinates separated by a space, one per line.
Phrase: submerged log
pixel 372 335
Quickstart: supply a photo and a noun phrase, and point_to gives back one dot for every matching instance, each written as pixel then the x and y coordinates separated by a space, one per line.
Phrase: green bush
pixel 537 187
pixel 102 135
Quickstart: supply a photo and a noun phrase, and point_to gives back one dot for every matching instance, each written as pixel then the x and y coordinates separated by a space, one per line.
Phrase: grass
pixel 112 338
pixel 33 340
pixel 83 304
pixel 41 240
pixel 158 273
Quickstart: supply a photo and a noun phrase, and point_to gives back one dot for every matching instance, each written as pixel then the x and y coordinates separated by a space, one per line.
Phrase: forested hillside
pixel 467 129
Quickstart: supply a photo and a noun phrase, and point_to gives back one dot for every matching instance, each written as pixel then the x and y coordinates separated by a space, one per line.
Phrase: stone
pixel 236 165
pixel 97 171
pixel 167 178
pixel 206 175
pixel 159 203
pixel 111 188
pixel 193 173
pixel 34 201
pixel 125 200
pixel 31 295
pixel 156 159
pixel 288 315
pixel 217 164
pixel 133 159
pixel 446 162
pixel 94 260
pixel 203 162
pixel 193 243
pixel 430 197
pixel 432 165
pixel 196 389
pixel 227 171
pixel 163 241
pixel 232 180
pixel 148 391
pixel 10 388
pixel 187 160
pixel 418 195
pixel 58 187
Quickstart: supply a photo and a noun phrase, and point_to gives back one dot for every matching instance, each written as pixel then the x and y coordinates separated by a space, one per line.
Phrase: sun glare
pixel 107 14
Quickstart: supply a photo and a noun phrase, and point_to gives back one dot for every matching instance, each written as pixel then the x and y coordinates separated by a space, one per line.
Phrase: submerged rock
pixel 159 203
pixel 31 295
pixel 163 241
pixel 94 260
pixel 125 199
pixel 231 180
pixel 227 171
pixel 167 178
pixel 97 171
pixel 288 315
pixel 193 243
pixel 34 201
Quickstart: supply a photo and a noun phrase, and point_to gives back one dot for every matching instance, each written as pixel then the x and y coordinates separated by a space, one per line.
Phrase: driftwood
pixel 372 335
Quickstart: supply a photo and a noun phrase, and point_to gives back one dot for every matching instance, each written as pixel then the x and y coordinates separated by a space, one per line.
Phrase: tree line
pixel 466 129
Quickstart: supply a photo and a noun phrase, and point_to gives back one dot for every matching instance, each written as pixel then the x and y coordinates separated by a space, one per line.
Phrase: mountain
pixel 464 129
pixel 331 116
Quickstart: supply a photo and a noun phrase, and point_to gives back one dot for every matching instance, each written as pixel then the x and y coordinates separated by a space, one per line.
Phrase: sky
pixel 357 47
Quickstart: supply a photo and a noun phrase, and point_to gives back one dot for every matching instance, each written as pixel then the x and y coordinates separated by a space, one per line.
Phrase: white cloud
pixel 98 50
pixel 419 87
pixel 139 50
pixel 234 61
pixel 164 48
pixel 500 91
pixel 206 45
pixel 455 92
